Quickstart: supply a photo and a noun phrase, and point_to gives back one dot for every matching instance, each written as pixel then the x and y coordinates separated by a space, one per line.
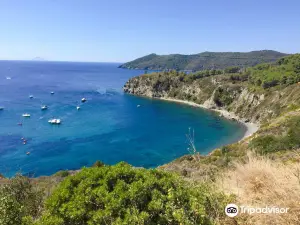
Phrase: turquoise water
pixel 108 127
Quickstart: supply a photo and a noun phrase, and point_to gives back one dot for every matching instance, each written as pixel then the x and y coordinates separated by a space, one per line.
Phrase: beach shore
pixel 251 128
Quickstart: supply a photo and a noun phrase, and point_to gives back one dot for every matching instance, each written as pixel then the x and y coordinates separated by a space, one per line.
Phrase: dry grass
pixel 262 182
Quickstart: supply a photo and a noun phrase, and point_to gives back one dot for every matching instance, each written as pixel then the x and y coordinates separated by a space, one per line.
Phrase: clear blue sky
pixel 122 30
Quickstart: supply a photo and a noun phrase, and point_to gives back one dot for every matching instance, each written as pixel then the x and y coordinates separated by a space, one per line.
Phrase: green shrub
pixel 292 140
pixel 222 97
pixel 173 93
pixel 216 152
pixel 98 163
pixel 293 107
pixel 265 144
pixel 19 199
pixel 122 194
pixel 288 141
pixel 10 209
pixel 269 84
pixel 232 69
pixel 239 77
pixel 48 219
pixel 225 150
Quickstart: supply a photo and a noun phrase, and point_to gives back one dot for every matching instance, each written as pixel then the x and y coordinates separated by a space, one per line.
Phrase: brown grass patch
pixel 262 182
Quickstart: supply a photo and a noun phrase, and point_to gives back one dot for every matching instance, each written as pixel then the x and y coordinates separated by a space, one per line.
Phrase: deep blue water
pixel 108 127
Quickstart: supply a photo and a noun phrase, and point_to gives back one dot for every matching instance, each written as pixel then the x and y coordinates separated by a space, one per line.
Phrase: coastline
pixel 251 128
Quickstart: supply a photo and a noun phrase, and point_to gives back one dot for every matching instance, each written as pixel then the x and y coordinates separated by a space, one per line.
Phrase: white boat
pixel 138 106
pixel 78 107
pixel 8 78
pixel 26 115
pixel 30 96
pixel 83 100
pixel 54 121
pixel 44 107
pixel 52 93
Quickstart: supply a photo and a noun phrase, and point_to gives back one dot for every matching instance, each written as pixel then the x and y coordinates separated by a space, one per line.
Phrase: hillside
pixel 203 61
pixel 258 171
pixel 267 94
pixel 257 94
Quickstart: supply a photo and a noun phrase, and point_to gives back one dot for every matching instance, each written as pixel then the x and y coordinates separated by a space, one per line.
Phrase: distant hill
pixel 38 59
pixel 204 60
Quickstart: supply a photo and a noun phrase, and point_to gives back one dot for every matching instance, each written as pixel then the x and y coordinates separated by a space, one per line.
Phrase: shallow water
pixel 108 127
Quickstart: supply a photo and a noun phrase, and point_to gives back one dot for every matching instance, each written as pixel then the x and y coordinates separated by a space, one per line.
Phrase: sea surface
pixel 109 126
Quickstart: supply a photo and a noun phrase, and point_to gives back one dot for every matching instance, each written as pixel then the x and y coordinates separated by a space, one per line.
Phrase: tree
pixel 98 163
pixel 268 84
pixel 232 69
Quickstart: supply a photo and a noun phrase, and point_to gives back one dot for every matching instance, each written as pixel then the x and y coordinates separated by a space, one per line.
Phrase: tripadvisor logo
pixel 231 210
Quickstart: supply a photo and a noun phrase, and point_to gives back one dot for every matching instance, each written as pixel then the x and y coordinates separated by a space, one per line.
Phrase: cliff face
pixel 217 92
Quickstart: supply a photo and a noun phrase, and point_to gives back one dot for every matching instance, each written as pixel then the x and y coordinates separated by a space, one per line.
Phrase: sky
pixel 122 30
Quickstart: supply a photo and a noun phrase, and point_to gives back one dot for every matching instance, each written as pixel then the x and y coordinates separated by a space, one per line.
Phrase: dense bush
pixel 288 141
pixel 18 199
pixel 239 77
pixel 232 69
pixel 268 84
pixel 173 93
pixel 222 97
pixel 200 74
pixel 266 144
pixel 122 194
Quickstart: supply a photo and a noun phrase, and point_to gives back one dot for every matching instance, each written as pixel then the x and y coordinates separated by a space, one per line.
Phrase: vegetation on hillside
pixel 117 194
pixel 203 61
pixel 267 89
pixel 285 71
pixel 282 136
pixel 19 198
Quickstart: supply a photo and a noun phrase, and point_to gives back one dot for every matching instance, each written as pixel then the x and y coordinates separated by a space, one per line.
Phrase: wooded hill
pixel 204 60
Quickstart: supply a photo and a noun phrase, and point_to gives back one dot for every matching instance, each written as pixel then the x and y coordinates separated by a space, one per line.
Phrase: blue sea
pixel 108 127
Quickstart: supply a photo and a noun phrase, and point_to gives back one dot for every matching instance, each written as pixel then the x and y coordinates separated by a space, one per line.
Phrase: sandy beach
pixel 251 128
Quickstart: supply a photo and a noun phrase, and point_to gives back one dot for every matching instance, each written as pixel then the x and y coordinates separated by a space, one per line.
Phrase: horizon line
pixel 36 59
pixel 67 61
